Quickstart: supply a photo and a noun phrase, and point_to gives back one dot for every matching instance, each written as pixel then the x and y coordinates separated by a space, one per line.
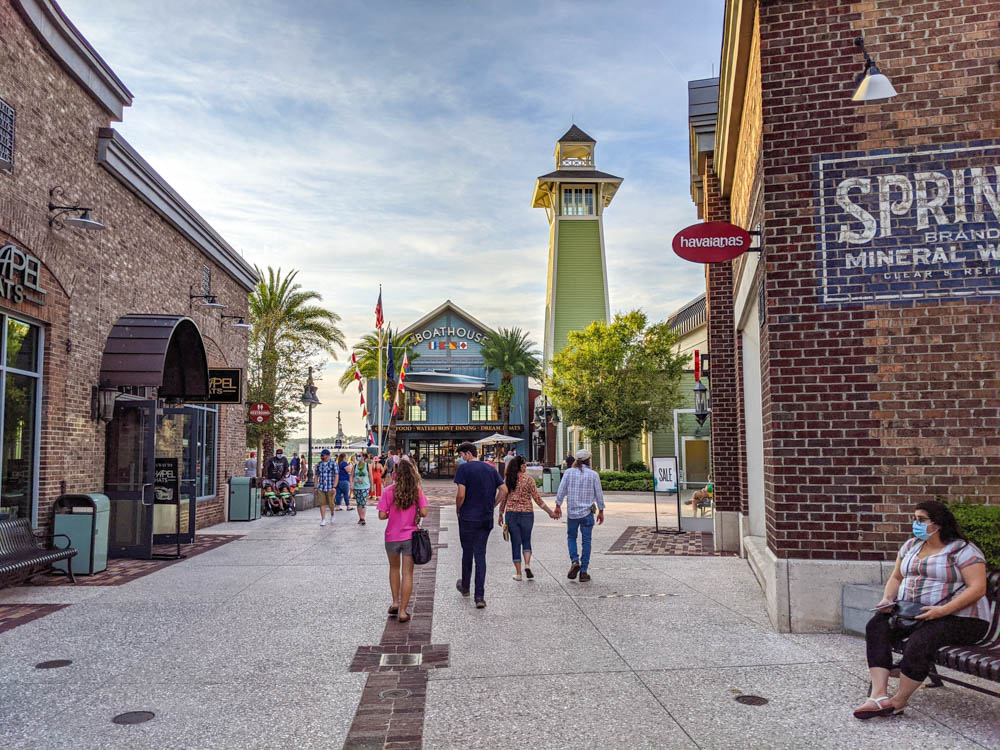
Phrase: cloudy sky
pixel 398 142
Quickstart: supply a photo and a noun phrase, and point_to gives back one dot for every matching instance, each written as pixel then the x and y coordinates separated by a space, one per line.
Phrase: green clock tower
pixel 574 197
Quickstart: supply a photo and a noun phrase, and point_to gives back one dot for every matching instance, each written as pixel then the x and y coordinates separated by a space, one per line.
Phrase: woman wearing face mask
pixel 942 571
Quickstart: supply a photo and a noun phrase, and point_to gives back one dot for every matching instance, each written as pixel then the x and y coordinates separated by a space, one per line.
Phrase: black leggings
pixel 923 643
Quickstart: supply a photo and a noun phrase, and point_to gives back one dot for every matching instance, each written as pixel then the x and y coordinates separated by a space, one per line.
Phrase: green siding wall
pixel 580 283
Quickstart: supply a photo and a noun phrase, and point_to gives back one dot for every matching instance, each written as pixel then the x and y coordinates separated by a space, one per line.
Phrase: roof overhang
pixel 546 185
pixel 438 382
pixel 165 352
pixel 703 109
pixel 69 48
pixel 737 42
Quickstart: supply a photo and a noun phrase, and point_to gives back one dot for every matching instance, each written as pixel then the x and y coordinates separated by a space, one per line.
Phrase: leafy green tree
pixel 367 352
pixel 289 333
pixel 615 379
pixel 510 352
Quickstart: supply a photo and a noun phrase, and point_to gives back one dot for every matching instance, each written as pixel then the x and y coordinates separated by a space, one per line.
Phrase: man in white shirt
pixel 581 488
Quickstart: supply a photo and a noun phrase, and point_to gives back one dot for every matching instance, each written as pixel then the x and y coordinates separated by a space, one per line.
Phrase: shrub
pixel 636 467
pixel 981 524
pixel 624 476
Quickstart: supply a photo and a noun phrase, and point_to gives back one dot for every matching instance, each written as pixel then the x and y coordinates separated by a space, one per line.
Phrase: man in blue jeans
pixel 580 486
pixel 343 483
pixel 475 499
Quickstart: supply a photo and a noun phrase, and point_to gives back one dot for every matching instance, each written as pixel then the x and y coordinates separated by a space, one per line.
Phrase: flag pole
pixel 378 382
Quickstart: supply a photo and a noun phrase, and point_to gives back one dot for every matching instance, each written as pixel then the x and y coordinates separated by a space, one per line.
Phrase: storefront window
pixel 189 434
pixel 484 407
pixel 413 406
pixel 20 376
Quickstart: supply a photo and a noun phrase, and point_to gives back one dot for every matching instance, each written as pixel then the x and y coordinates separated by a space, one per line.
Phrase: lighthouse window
pixel 578 201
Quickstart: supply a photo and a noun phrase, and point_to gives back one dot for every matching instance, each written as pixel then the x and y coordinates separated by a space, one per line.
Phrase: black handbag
pixel 421 547
pixel 903 616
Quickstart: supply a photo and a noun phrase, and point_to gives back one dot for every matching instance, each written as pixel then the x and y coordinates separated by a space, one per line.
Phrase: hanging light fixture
pixel 873 84
pixel 83 221
pixel 239 321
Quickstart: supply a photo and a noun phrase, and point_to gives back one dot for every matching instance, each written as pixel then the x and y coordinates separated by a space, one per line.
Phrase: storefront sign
pixel 914 225
pixel 167 485
pixel 260 413
pixel 514 428
pixel 711 242
pixel 20 276
pixel 225 386
pixel 450 332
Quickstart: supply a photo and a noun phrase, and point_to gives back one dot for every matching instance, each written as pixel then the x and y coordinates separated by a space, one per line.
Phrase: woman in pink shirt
pixel 399 505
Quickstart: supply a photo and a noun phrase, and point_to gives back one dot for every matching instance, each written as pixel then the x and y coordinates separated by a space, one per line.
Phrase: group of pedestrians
pixel 481 489
pixel 337 481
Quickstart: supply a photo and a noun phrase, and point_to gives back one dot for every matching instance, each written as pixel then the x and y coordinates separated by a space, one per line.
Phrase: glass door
pixel 129 475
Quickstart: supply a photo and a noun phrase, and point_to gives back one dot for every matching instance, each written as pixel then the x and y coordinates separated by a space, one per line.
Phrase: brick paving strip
pixel 643 540
pixel 390 713
pixel 12 615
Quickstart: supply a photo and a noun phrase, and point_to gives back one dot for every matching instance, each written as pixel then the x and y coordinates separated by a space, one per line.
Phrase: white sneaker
pixel 323 522
pixel 517 577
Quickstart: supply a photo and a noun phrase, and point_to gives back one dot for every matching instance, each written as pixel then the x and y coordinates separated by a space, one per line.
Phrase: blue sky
pixel 399 142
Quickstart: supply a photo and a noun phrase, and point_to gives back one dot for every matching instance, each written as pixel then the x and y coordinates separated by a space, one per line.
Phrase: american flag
pixel 379 320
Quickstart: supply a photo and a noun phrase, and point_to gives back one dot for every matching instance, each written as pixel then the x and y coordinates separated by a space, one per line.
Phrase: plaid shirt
pixel 936 577
pixel 326 475
pixel 580 489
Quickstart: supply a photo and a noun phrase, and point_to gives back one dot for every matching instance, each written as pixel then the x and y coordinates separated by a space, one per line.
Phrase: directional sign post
pixel 260 413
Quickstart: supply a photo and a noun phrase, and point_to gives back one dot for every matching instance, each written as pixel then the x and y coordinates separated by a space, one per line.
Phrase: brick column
pixel 724 368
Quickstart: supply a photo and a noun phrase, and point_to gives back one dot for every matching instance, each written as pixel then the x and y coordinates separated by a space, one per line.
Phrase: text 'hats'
pixel 583 455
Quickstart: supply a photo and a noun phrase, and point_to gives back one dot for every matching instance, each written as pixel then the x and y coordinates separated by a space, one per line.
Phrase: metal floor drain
pixel 54 664
pixel 401 660
pixel 395 693
pixel 751 700
pixel 133 717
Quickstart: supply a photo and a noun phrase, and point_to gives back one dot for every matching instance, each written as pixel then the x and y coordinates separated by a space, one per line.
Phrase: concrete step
pixel 857 600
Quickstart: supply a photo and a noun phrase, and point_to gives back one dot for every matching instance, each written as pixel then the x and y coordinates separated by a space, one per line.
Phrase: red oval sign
pixel 260 413
pixel 711 242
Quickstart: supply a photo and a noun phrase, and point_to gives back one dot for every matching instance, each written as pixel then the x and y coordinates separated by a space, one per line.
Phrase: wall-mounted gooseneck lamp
pixel 872 83
pixel 81 221
pixel 209 300
pixel 239 321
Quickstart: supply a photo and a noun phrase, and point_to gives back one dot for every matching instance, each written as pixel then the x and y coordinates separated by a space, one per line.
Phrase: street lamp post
pixel 544 416
pixel 310 400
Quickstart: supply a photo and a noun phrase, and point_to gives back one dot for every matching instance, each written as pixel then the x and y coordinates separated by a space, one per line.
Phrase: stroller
pixel 271 501
pixel 286 496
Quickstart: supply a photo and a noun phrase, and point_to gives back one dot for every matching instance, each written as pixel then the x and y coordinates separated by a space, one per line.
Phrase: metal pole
pixel 545 427
pixel 309 458
pixel 378 391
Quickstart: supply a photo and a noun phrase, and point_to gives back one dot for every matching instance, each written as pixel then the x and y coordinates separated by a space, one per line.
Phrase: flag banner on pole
pixel 379 320
pixel 357 374
pixel 386 396
pixel 364 413
pixel 400 389
pixel 354 359
pixel 359 387
pixel 395 409
pixel 390 366
pixel 406 361
pixel 362 399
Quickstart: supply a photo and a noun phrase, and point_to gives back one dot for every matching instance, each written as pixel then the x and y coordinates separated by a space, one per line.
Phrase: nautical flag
pixel 452 345
pixel 432 344
pixel 418 399
pixel 359 387
pixel 362 399
pixel 390 366
pixel 400 389
pixel 364 412
pixel 354 359
pixel 379 320
pixel 406 360
pixel 386 395
pixel 371 438
pixel 464 345
pixel 395 409
pixel 357 374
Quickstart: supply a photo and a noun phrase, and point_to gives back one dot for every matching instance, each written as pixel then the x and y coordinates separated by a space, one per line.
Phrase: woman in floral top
pixel 516 495
pixel 938 568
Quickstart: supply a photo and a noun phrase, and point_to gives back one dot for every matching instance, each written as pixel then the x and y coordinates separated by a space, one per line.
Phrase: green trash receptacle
pixel 546 480
pixel 85 520
pixel 244 499
pixel 556 477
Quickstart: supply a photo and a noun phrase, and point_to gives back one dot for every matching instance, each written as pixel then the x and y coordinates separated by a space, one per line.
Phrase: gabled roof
pixel 575 135
pixel 446 305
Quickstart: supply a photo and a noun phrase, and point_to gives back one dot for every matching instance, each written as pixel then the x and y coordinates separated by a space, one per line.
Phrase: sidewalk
pixel 251 645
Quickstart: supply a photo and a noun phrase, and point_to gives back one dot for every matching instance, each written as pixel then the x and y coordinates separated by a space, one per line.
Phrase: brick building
pixel 109 334
pixel 856 359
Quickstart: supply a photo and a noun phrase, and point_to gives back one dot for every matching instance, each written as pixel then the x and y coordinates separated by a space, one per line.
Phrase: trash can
pixel 84 519
pixel 556 476
pixel 244 499
pixel 546 480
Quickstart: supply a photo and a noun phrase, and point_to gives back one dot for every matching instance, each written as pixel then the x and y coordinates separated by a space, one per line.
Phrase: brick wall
pixel 138 264
pixel 724 422
pixel 869 408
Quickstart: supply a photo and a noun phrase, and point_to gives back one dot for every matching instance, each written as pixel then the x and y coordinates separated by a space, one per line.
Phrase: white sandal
pixel 880 711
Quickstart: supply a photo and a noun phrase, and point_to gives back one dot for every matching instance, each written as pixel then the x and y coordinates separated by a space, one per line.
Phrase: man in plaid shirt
pixel 326 481
pixel 581 488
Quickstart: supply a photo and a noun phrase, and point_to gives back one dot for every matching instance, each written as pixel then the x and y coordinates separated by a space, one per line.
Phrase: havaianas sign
pixel 910 225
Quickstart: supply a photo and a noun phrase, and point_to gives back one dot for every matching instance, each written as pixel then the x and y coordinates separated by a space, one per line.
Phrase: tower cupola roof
pixel 575 135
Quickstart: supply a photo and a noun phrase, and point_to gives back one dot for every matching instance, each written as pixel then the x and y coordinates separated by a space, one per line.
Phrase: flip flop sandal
pixel 880 711
pixel 404 617
pixel 394 611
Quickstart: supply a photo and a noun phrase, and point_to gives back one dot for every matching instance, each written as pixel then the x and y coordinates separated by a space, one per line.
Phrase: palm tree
pixel 509 350
pixel 367 352
pixel 285 323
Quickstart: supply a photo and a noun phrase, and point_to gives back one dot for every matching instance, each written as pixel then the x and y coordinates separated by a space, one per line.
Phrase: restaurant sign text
pixel 20 276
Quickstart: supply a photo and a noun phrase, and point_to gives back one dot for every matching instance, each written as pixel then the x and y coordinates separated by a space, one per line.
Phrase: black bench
pixel 22 554
pixel 982 659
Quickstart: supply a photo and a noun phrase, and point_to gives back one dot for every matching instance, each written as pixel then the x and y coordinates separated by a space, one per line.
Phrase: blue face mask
pixel 920 531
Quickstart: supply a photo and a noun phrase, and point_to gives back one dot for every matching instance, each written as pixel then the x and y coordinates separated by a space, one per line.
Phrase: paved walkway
pixel 251 645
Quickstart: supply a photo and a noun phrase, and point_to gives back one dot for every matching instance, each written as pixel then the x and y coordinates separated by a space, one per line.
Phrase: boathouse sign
pixel 910 225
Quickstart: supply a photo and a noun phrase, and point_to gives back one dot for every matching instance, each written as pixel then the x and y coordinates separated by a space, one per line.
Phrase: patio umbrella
pixel 496 437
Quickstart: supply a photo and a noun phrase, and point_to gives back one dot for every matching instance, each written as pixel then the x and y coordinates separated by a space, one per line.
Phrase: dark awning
pixel 160 351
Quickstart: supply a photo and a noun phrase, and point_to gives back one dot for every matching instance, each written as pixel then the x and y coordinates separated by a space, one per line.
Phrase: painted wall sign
pixel 916 225
pixel 20 276
pixel 711 242
pixel 225 386
pixel 514 429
